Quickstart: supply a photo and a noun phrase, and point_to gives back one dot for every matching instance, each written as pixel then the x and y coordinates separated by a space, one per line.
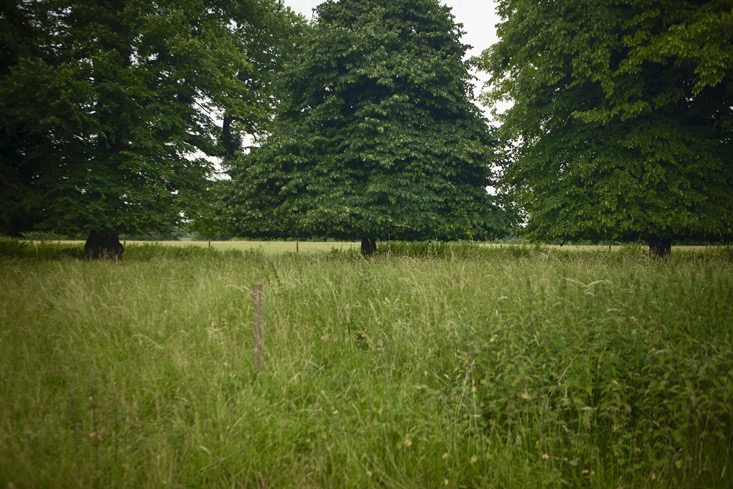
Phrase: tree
pixel 621 123
pixel 112 109
pixel 377 137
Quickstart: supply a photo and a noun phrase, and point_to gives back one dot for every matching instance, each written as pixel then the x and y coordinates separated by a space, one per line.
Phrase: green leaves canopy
pixel 378 136
pixel 621 123
pixel 111 108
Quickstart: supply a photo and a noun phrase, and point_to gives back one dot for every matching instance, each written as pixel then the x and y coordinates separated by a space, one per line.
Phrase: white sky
pixel 477 16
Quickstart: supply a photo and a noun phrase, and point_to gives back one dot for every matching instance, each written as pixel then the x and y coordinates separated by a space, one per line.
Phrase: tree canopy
pixel 622 117
pixel 378 136
pixel 112 109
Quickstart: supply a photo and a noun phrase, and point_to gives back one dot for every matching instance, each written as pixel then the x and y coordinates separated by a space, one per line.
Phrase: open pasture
pixel 266 247
pixel 307 247
pixel 445 367
pixel 283 247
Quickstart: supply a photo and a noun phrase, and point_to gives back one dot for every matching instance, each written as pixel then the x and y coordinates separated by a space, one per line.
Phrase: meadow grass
pixel 306 247
pixel 427 366
pixel 265 247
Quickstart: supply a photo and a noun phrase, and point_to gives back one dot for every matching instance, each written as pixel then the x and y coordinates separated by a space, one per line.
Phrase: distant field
pixel 271 247
pixel 280 247
pixel 267 247
pixel 429 366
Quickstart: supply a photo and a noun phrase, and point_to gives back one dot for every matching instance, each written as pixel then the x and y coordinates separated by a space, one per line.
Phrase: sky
pixel 477 16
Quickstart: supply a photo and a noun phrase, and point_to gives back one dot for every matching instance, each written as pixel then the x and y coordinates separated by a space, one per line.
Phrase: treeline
pixel 240 118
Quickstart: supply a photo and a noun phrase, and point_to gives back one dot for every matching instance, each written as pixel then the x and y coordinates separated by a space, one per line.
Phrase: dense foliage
pixel 378 136
pixel 622 118
pixel 112 110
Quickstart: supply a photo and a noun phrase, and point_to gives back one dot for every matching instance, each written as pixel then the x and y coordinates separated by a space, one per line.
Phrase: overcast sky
pixel 477 16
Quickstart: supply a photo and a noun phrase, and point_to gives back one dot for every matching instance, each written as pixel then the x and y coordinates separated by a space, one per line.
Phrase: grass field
pixel 429 366
pixel 266 247
pixel 306 247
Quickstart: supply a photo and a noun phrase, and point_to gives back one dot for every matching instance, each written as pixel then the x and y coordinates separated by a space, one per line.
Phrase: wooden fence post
pixel 258 295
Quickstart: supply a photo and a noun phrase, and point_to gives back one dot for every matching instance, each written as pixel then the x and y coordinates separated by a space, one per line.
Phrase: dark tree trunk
pixel 103 244
pixel 229 140
pixel 660 247
pixel 368 246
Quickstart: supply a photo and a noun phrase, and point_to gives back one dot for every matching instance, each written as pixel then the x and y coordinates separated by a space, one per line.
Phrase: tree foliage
pixel 621 123
pixel 378 136
pixel 113 109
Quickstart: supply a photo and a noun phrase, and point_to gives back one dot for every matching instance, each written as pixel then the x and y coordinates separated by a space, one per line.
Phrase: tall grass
pixel 461 367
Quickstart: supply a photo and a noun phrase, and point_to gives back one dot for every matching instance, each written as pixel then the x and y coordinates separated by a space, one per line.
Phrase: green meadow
pixel 429 365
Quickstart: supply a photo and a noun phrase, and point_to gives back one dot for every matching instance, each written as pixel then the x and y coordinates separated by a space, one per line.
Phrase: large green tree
pixel 622 116
pixel 378 136
pixel 112 109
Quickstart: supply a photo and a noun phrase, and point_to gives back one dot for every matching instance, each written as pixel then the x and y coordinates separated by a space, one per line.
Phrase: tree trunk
pixel 103 244
pixel 229 140
pixel 660 247
pixel 368 246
